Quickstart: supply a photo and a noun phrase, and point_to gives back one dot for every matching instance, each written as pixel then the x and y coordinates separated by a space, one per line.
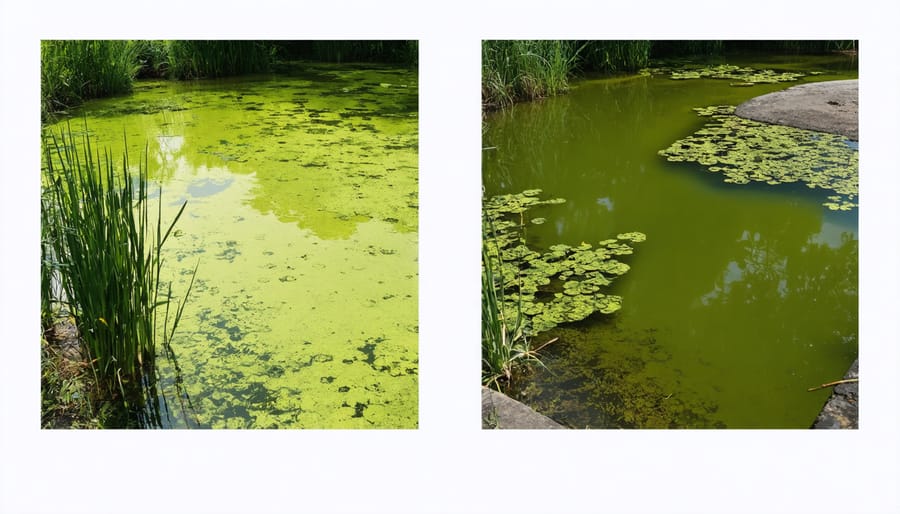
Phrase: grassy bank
pixel 516 71
pixel 73 71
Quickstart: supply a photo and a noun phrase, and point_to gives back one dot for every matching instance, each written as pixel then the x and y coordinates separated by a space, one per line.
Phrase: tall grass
pixel 504 344
pixel 524 70
pixel 386 51
pixel 614 56
pixel 106 249
pixel 75 70
pixel 806 46
pixel 218 58
pixel 685 48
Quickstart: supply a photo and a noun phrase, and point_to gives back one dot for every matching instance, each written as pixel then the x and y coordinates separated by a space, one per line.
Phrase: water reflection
pixel 302 212
pixel 741 298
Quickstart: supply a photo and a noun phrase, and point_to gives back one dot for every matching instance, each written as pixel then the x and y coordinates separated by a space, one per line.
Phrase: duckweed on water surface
pixel 303 195
pixel 750 151
pixel 558 286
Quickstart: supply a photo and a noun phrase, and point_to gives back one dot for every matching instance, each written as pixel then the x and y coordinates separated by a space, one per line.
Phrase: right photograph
pixel 670 234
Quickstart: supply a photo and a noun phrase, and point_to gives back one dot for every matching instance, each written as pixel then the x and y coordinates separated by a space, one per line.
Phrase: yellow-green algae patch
pixel 558 286
pixel 750 151
pixel 302 212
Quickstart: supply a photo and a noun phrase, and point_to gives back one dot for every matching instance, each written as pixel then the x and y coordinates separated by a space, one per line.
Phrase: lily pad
pixel 564 283
pixel 745 151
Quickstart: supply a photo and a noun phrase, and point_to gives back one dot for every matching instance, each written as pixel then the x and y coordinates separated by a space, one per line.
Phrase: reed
pixel 218 58
pixel 686 48
pixel 504 344
pixel 520 70
pixel 385 51
pixel 106 250
pixel 75 70
pixel 806 46
pixel 614 56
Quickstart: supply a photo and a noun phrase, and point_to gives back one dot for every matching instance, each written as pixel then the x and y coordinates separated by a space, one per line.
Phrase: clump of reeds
pixel 105 249
pixel 218 58
pixel 524 70
pixel 504 343
pixel 75 70
pixel 386 51
pixel 614 56
pixel 806 46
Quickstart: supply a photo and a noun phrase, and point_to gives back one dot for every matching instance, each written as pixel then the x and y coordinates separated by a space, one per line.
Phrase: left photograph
pixel 229 234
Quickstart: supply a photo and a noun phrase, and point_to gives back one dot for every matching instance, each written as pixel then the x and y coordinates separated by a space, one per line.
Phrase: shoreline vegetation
pixel 515 71
pixel 100 286
pixel 73 71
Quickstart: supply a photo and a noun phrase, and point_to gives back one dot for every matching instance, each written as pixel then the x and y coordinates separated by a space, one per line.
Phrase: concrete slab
pixel 501 411
pixel 831 107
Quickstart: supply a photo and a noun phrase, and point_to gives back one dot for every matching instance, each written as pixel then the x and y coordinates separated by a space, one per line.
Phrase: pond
pixel 741 297
pixel 302 214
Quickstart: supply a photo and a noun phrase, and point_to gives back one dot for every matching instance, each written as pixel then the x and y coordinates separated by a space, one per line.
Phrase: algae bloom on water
pixel 534 278
pixel 747 151
pixel 303 194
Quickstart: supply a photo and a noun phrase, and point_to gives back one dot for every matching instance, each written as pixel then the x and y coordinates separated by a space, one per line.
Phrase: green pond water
pixel 742 296
pixel 302 211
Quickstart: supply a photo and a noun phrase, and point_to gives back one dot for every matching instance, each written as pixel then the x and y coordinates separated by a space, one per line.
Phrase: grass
pixel 100 241
pixel 218 58
pixel 614 56
pixel 386 51
pixel 504 344
pixel 66 391
pixel 75 70
pixel 517 70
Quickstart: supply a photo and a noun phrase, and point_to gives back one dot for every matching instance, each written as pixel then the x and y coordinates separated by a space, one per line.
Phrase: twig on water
pixel 836 382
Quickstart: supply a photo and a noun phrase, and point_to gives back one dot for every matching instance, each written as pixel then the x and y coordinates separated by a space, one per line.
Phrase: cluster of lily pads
pixel 560 285
pixel 745 150
pixel 742 76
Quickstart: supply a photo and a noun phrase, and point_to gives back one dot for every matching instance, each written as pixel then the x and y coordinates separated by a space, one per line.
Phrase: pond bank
pixel 842 408
pixel 831 107
pixel 501 411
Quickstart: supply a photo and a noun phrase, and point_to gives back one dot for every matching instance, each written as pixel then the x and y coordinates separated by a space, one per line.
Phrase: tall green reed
pixel 504 344
pixel 75 70
pixel 218 58
pixel 521 70
pixel 614 56
pixel 107 251
pixel 387 51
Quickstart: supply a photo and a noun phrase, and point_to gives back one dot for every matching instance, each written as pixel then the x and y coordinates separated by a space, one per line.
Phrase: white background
pixel 449 464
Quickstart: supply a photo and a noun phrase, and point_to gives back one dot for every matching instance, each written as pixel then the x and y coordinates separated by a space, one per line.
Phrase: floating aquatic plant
pixel 743 76
pixel 563 284
pixel 745 150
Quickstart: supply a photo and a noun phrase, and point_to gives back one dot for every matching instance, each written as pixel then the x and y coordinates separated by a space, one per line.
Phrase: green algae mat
pixel 744 292
pixel 302 212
